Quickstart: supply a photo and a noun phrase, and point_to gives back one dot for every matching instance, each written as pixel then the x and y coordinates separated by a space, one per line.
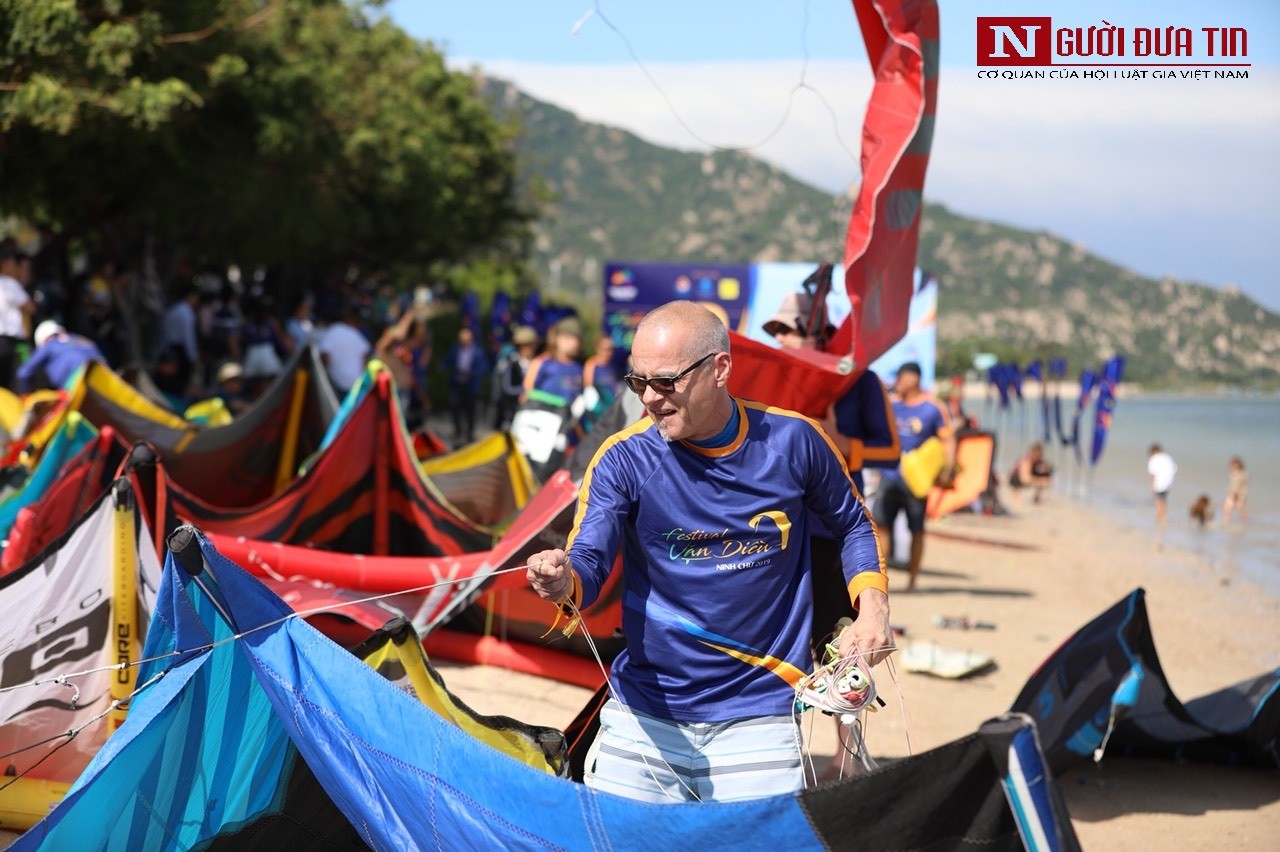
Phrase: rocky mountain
pixel 1022 294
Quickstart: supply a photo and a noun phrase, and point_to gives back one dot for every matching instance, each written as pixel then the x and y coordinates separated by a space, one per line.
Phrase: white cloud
pixel 1173 176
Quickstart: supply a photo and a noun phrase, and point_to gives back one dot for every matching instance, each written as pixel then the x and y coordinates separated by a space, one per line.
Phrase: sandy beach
pixel 1211 630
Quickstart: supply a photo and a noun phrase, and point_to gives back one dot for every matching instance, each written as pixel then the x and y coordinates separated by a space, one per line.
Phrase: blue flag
pixel 500 316
pixel 1102 420
pixel 1088 379
pixel 531 312
pixel 1108 382
pixel 996 375
pixel 470 310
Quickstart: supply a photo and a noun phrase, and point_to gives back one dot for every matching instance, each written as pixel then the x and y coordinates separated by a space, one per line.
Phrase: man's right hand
pixel 548 573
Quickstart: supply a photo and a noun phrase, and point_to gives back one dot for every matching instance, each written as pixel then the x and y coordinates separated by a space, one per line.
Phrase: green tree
pixel 299 134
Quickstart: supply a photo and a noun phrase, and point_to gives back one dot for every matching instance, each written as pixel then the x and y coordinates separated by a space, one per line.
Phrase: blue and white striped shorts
pixel 660 760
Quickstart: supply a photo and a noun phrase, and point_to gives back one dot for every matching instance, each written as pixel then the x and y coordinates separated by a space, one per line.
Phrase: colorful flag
pixel 897 135
pixel 1109 380
pixel 1102 420
pixel 470 310
pixel 531 312
pixel 1088 379
pixel 500 316
pixel 998 375
pixel 1013 374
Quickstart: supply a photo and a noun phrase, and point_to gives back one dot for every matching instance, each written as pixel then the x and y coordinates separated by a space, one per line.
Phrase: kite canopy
pixel 239 464
pixel 1105 687
pixel 73 612
pixel 249 694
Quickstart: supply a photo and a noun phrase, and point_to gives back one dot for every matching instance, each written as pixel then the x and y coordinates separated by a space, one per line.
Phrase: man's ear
pixel 724 366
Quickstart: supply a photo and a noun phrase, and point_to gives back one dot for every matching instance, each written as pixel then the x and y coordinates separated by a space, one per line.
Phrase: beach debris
pixel 961 622
pixel 940 661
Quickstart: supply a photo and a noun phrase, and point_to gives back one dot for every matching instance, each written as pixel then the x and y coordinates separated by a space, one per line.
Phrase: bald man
pixel 708 500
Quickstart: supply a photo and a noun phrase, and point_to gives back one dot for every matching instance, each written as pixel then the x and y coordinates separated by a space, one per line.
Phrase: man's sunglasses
pixel 663 385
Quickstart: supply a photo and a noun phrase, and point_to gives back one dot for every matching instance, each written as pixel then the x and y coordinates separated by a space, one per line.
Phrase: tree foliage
pixel 273 132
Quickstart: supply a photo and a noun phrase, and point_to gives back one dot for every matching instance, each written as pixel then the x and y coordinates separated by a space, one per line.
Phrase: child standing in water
pixel 1237 492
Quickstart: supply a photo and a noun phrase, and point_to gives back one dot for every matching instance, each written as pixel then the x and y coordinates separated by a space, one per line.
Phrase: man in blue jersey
pixel 708 500
pixel 920 416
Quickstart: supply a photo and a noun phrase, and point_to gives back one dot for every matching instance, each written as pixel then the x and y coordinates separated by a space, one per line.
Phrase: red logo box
pixel 1015 41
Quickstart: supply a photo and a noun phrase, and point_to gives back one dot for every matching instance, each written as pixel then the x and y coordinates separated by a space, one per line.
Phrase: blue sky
pixel 1173 177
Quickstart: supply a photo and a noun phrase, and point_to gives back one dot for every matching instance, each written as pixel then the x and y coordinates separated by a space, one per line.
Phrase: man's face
pixel 689 412
pixel 908 382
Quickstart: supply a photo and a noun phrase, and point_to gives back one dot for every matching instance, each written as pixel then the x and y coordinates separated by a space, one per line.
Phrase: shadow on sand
pixel 1121 786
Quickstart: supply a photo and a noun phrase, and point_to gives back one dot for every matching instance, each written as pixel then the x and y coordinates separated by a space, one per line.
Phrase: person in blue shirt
pixel 58 355
pixel 920 416
pixel 601 373
pixel 466 365
pixel 708 499
pixel 557 373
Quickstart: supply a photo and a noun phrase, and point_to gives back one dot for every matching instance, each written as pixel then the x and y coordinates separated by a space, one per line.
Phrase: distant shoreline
pixel 1127 390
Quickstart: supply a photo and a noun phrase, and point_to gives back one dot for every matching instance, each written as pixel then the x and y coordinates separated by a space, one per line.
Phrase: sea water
pixel 1202 434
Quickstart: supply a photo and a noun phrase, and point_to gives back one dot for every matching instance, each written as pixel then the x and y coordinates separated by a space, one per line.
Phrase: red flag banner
pixel 897 134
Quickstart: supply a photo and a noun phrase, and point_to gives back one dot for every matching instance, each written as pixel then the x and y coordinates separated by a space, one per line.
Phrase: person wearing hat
pixel 16 308
pixel 57 357
pixel 558 372
pixel 230 381
pixel 510 373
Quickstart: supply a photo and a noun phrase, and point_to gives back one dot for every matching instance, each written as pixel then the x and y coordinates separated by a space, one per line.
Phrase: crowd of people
pixel 219 337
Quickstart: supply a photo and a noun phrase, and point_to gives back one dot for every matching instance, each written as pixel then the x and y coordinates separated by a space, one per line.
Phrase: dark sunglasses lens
pixel 666 387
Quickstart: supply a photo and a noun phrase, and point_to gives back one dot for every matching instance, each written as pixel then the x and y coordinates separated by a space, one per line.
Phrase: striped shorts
pixel 660 760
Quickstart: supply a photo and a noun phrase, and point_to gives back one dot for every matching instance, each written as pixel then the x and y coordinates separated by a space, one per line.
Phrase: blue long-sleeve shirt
pixel 58 359
pixel 865 416
pixel 715 554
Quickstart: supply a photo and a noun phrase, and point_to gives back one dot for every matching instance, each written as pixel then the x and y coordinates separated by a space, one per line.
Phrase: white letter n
pixel 1024 49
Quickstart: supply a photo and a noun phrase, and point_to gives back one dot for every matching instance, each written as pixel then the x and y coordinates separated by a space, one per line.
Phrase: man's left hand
pixel 870 634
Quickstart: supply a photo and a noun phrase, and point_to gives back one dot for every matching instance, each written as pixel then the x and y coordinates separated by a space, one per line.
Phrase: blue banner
pixel 631 290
